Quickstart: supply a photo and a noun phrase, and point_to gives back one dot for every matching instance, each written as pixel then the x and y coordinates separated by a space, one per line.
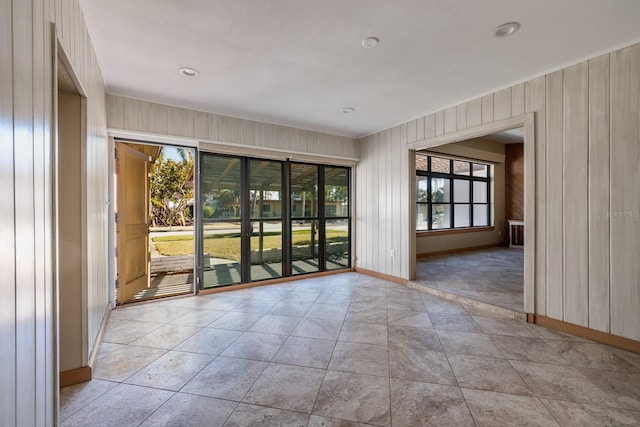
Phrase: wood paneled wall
pixel 27 317
pixel 514 181
pixel 587 197
pixel 148 117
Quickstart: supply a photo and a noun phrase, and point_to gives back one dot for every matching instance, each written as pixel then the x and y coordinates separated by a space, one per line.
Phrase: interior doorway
pixel 459 249
pixel 155 237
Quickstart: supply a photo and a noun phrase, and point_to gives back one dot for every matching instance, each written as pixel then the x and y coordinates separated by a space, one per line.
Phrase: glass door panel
pixel 221 220
pixel 304 218
pixel 336 218
pixel 265 215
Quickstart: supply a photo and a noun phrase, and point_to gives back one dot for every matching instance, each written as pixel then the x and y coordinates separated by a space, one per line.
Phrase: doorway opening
pixel 155 238
pixel 470 218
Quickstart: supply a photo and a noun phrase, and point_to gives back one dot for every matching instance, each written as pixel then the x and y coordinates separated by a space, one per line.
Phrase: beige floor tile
pixel 509 327
pixel 467 343
pixel 286 387
pixel 561 382
pixel 77 396
pixel 407 336
pixel 275 324
pixel 255 346
pixel 259 416
pixel 186 410
pixel 318 421
pixel 170 371
pixel 318 328
pixel 364 333
pixel 499 409
pixel 199 318
pixel 365 314
pixel 444 307
pixel 123 405
pixel 571 414
pixel 126 331
pixel 622 386
pixel 360 359
pixel 422 404
pixel 593 355
pixel 236 321
pixel 327 311
pixel 487 373
pixel 405 303
pixel 121 364
pixel 290 308
pixel 527 349
pixel 420 365
pixel 166 336
pixel 354 397
pixel 301 351
pixel 409 318
pixel 225 378
pixel 209 341
pixel 454 322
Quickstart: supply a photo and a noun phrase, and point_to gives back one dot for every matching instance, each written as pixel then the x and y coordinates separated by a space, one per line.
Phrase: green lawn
pixel 227 246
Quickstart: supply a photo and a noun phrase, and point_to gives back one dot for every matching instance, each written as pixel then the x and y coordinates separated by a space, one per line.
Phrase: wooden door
pixel 132 226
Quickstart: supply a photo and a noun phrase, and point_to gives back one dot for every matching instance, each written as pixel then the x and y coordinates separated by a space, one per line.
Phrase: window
pixel 451 193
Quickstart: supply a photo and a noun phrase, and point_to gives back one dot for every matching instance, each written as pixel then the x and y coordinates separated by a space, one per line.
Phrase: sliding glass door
pixel 265 219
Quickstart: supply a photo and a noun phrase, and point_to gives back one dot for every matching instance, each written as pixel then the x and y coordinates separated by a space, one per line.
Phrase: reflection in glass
pixel 480 170
pixel 441 216
pixel 461 191
pixel 220 187
pixel 422 217
pixel 337 243
pixel 461 168
pixel 266 250
pixel 221 249
pixel 461 217
pixel 422 193
pixel 440 190
pixel 422 162
pixel 304 191
pixel 336 192
pixel 480 215
pixel 480 191
pixel 304 246
pixel 440 165
pixel 265 187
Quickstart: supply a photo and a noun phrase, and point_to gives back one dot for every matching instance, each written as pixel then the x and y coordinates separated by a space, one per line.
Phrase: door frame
pixel 526 121
pixel 143 139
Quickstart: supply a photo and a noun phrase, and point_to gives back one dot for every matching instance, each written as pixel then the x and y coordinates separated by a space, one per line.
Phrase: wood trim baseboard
pixel 382 276
pixel 581 331
pixel 273 281
pixel 458 250
pixel 75 376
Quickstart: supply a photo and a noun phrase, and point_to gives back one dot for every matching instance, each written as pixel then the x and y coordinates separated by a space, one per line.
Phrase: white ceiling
pixel 298 62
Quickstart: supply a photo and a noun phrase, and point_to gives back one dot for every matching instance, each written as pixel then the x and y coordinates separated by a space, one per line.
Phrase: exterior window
pixel 451 193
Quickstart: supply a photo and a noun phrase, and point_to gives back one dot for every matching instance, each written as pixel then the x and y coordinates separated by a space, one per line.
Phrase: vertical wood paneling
pixel 554 167
pixel 201 125
pixel 461 119
pixel 24 204
pixel 7 225
pixel 187 123
pixel 487 109
pixel 625 192
pixel 474 112
pixel 115 109
pixel 213 127
pixel 420 129
pixel 599 170
pixel 146 116
pixel 517 100
pixel 535 95
pixel 131 114
pixel 174 121
pixel 161 119
pixel 430 126
pixel 412 131
pixel 450 117
pixel 502 104
pixel 575 193
pixel 439 123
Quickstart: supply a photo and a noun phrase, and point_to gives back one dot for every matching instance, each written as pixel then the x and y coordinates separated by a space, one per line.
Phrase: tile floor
pixel 494 276
pixel 345 350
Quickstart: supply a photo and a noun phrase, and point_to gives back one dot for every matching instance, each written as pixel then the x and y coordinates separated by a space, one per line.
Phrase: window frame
pixel 451 176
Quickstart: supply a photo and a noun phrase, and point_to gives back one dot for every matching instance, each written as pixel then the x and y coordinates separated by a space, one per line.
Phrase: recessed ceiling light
pixel 370 42
pixel 506 30
pixel 189 72
pixel 348 110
